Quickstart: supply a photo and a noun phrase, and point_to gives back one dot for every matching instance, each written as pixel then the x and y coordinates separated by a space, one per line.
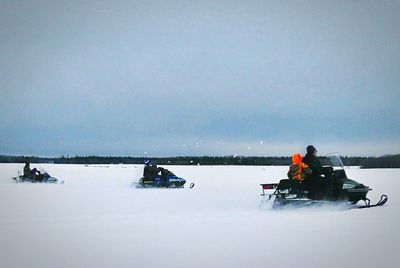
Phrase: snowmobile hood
pixel 297 158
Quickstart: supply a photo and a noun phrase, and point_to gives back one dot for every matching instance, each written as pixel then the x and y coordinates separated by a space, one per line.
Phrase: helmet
pixel 147 162
pixel 311 149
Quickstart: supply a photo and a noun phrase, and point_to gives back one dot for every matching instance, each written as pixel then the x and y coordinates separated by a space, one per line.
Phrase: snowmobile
pixel 167 179
pixel 43 177
pixel 290 193
pixel 162 182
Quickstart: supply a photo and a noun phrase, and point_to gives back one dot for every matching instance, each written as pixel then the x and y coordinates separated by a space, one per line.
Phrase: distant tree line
pixel 389 161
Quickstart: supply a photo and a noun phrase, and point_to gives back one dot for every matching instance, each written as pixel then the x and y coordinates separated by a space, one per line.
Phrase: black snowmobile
pixel 290 193
pixel 43 177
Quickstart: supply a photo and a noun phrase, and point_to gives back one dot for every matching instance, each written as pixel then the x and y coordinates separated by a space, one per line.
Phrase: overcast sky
pixel 199 77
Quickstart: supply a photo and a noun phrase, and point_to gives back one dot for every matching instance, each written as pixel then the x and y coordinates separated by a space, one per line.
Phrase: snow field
pixel 97 219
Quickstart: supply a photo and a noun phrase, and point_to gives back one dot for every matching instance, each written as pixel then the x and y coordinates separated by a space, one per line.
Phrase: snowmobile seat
pixel 284 184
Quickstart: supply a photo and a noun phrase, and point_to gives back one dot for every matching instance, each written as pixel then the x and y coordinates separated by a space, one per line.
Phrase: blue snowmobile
pixel 161 182
pixel 158 177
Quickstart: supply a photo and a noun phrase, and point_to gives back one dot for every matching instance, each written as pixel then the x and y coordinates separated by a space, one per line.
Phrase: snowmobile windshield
pixel 334 160
pixel 42 171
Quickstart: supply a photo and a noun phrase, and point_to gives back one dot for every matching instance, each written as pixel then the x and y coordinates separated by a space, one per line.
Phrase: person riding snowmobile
pixel 33 174
pixel 298 170
pixel 150 171
pixel 310 159
pixel 298 173
pixel 160 176
pixel 320 183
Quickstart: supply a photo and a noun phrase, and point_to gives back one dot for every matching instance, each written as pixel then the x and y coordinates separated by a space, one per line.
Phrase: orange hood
pixel 296 158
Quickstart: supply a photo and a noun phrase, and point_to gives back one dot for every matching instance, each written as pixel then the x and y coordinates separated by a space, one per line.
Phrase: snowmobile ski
pixel 380 203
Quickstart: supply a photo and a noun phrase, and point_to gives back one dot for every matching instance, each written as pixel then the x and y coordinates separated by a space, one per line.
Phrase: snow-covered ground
pixel 96 219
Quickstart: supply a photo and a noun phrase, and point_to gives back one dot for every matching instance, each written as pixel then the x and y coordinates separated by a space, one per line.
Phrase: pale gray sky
pixel 199 77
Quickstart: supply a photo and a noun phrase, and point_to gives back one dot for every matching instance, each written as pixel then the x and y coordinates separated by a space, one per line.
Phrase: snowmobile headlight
pixel 348 186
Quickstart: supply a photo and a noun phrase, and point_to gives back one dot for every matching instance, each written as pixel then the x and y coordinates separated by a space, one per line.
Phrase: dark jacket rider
pixel 310 159
pixel 150 171
pixel 319 187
